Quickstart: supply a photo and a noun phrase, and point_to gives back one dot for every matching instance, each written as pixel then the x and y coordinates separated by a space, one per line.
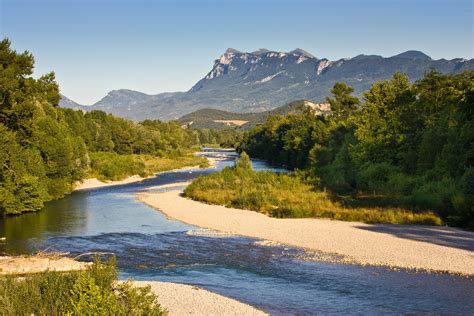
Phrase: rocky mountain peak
pixel 235 61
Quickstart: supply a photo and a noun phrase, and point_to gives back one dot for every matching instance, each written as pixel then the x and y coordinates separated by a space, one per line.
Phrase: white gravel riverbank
pixel 441 249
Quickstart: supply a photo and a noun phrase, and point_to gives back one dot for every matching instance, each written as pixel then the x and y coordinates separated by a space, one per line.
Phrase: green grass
pixel 112 166
pixel 281 195
pixel 91 292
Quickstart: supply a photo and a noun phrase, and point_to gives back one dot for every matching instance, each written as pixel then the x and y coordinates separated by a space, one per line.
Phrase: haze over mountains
pixel 264 80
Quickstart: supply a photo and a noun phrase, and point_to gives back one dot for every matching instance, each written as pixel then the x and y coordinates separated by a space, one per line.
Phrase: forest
pixel 44 149
pixel 403 144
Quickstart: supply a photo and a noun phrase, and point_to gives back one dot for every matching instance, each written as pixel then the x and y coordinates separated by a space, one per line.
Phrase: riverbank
pixel 430 248
pixel 94 183
pixel 12 265
pixel 178 299
pixel 182 299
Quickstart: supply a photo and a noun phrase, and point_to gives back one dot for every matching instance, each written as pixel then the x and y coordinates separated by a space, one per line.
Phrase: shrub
pixel 243 162
pixel 467 182
pixel 435 195
pixel 400 184
pixel 112 166
pixel 87 298
pixel 463 202
pixel 375 176
pixel 91 292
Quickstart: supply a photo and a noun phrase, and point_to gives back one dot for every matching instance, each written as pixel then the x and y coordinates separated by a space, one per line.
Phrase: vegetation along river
pixel 277 279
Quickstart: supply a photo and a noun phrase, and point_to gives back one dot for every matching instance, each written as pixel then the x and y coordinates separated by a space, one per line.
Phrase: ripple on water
pixel 274 277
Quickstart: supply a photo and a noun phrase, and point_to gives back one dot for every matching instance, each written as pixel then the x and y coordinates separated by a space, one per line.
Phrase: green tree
pixel 342 103
pixel 243 162
pixel 380 127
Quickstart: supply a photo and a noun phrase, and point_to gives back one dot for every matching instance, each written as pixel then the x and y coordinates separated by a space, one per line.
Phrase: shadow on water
pixel 149 246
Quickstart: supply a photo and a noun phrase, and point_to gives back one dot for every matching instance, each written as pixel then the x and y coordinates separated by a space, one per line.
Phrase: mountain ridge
pixel 264 79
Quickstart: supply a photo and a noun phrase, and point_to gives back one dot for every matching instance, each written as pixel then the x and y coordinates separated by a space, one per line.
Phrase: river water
pixel 277 279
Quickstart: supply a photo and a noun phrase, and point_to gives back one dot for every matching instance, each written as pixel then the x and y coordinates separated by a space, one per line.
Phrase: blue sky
pixel 158 46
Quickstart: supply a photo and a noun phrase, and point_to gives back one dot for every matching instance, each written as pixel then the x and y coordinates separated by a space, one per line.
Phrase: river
pixel 277 279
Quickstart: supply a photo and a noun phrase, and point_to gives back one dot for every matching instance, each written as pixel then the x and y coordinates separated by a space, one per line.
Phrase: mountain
pixel 414 54
pixel 68 103
pixel 219 119
pixel 263 80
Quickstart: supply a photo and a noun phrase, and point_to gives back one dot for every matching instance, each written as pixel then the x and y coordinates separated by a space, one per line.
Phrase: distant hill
pixel 219 119
pixel 259 81
pixel 68 103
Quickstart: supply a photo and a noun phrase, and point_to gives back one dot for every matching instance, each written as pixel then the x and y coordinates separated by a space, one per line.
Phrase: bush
pixel 243 162
pixel 26 195
pixel 467 182
pixel 435 195
pixel 400 184
pixel 463 202
pixel 374 177
pixel 87 298
pixel 91 292
pixel 112 166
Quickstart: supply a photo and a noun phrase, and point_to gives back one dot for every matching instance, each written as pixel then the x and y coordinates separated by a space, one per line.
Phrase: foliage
pixel 39 156
pixel 112 166
pixel 285 140
pixel 282 195
pixel 45 149
pixel 243 162
pixel 343 103
pixel 91 292
pixel 412 143
pixel 225 138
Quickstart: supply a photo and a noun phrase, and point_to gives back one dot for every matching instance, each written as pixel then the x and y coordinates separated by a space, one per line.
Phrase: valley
pixel 171 158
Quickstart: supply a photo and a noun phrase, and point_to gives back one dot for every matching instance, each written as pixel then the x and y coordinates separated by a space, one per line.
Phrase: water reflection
pixel 102 210
pixel 65 216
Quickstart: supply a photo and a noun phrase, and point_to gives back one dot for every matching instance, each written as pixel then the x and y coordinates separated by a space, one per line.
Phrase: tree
pixel 243 162
pixel 380 127
pixel 411 142
pixel 342 103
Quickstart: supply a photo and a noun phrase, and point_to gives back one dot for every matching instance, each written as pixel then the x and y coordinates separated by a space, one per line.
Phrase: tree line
pixel 44 148
pixel 405 144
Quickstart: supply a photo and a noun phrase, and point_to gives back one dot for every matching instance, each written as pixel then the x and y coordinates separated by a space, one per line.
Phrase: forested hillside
pixel 404 144
pixel 45 149
pixel 219 119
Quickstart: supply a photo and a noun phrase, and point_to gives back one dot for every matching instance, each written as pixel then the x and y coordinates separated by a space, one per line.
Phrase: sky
pixel 166 46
